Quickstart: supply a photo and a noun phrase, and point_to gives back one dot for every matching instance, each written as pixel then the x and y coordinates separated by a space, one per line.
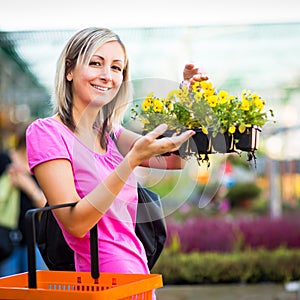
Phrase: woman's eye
pixel 95 63
pixel 117 68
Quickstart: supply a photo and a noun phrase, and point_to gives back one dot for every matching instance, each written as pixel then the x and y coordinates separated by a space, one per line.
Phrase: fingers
pixel 198 78
pixel 178 140
pixel 153 144
pixel 169 144
pixel 193 74
pixel 158 131
pixel 150 145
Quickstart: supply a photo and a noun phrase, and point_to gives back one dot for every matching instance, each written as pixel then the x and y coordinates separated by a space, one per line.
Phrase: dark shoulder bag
pixel 150 228
pixel 53 247
pixel 150 224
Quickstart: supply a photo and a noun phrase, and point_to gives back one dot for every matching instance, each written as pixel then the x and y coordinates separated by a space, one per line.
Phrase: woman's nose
pixel 106 74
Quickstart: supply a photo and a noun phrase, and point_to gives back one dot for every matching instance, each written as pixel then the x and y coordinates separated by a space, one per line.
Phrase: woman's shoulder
pixel 47 131
pixel 50 122
pixel 47 139
pixel 47 125
pixel 116 131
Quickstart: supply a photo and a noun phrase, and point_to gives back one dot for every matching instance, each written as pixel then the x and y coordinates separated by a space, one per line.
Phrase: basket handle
pixel 31 243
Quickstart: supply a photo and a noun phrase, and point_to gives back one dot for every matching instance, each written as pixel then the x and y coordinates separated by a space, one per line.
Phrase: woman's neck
pixel 84 119
pixel 86 130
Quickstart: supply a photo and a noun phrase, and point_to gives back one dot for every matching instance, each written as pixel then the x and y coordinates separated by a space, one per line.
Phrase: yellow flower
pixel 204 130
pixel 232 129
pixel 258 103
pixel 149 96
pixel 145 121
pixel 242 128
pixel 196 86
pixel 210 91
pixel 170 106
pixel 158 105
pixel 205 85
pixel 212 100
pixel 198 96
pixel 255 97
pixel 182 93
pixel 171 95
pixel 146 104
pixel 223 96
pixel 207 88
pixel 230 98
pixel 162 100
pixel 245 104
pixel 246 94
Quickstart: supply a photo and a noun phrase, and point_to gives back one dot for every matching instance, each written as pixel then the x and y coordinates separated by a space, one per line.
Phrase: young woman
pixel 74 157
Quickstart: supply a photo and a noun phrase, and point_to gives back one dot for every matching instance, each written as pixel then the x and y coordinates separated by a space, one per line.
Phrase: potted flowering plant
pixel 223 122
pixel 235 120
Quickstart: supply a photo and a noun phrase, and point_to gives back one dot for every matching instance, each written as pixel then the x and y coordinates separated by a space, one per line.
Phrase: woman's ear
pixel 70 76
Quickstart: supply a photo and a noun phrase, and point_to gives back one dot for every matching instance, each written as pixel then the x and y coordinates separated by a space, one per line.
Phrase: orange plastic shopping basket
pixel 69 285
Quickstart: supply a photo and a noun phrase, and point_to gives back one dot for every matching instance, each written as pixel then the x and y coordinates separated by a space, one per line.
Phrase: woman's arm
pixel 56 179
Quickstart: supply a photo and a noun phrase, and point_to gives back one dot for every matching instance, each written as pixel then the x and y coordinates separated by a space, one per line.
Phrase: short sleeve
pixel 45 141
pixel 117 130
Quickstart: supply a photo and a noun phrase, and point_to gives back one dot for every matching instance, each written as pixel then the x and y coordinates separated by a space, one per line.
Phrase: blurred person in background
pixel 19 192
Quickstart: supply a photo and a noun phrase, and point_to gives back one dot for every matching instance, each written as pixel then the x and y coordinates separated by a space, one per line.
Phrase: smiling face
pixel 98 82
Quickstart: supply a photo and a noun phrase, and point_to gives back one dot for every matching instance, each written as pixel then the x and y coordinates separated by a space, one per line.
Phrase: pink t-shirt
pixel 120 250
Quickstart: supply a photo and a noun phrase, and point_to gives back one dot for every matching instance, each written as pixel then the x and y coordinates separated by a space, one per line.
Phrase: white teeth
pixel 100 88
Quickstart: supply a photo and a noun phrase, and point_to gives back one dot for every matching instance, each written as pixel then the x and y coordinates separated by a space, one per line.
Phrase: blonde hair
pixel 79 50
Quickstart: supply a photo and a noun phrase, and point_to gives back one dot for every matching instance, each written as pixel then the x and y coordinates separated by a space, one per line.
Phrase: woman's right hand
pixel 149 145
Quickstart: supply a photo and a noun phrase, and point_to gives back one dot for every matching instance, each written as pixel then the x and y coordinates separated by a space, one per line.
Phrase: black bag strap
pixel 150 224
pixel 56 253
pixel 31 243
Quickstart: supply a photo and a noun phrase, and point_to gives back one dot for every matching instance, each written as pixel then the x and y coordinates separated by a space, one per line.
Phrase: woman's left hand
pixel 150 145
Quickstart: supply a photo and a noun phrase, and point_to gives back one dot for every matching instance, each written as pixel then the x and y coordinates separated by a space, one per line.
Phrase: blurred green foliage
pixel 281 265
